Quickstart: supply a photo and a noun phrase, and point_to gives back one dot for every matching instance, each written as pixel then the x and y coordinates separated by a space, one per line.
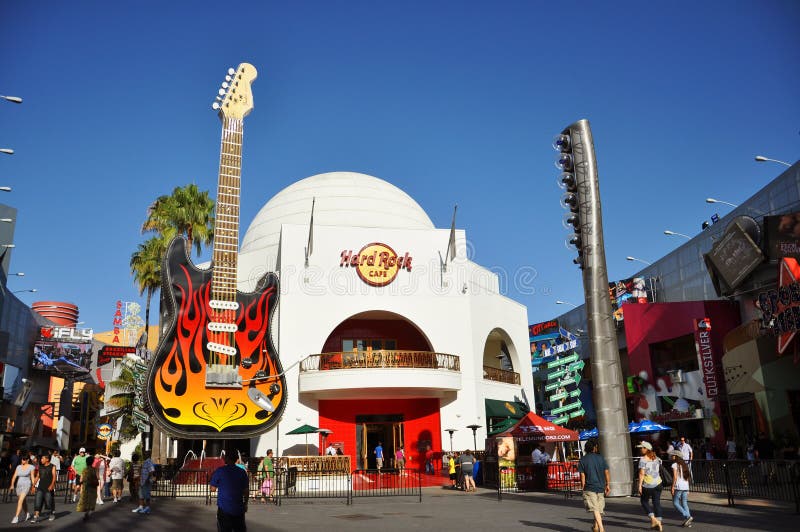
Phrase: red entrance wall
pixel 420 423
pixel 407 336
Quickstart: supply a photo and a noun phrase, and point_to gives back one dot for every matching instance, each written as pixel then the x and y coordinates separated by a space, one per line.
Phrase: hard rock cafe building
pixel 389 332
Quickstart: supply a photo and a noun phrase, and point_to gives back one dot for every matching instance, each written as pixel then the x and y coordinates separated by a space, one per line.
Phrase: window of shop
pixel 677 353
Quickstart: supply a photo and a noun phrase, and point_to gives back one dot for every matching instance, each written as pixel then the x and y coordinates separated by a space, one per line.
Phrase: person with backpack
pixel 680 487
pixel 650 484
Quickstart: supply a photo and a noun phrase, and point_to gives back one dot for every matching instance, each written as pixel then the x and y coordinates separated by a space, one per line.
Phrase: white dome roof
pixel 345 199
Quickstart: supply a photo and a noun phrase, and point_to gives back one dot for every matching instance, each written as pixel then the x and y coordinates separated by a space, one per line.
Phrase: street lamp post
pixel 28 290
pixel 673 233
pixel 712 200
pixel 761 159
pixel 7 151
pixel 474 440
pixel 451 431
pixel 639 260
pixel 12 99
pixel 573 305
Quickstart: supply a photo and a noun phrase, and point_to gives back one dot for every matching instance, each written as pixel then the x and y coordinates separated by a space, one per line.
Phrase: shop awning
pixel 507 409
pixel 535 428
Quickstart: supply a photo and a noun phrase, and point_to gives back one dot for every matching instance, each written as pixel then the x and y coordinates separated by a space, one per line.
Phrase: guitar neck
pixel 226 223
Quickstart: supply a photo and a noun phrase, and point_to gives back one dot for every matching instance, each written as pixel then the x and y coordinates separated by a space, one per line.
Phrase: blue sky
pixel 453 102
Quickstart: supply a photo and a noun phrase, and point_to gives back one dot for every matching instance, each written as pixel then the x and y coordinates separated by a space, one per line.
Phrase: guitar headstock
pixel 235 98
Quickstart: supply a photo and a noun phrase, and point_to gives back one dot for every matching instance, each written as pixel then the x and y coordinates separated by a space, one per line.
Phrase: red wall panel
pixel 420 423
pixel 407 336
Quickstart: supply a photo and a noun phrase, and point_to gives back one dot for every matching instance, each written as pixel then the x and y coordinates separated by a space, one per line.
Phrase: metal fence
pixel 292 483
pixel 776 480
pixel 387 483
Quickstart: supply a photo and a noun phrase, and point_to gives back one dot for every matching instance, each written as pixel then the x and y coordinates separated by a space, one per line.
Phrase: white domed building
pixel 382 342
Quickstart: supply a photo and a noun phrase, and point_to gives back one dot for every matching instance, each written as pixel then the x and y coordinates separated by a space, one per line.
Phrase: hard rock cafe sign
pixel 377 264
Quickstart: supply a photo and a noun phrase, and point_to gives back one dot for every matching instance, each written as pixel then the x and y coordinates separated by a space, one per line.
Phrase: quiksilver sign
pixel 377 264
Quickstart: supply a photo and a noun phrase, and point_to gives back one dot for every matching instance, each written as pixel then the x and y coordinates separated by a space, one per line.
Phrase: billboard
pixel 542 336
pixel 624 292
pixel 63 350
pixel 782 236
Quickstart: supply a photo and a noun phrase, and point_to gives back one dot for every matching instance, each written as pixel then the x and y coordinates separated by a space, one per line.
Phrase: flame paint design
pixel 182 403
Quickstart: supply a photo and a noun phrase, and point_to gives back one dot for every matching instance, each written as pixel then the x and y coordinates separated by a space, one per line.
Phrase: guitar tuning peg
pixel 231 72
pixel 219 98
pixel 222 92
pixel 228 78
pixel 225 85
pixel 215 106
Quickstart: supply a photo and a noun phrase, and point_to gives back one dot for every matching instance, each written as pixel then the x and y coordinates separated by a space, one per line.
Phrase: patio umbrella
pixel 646 426
pixel 304 429
pixel 588 434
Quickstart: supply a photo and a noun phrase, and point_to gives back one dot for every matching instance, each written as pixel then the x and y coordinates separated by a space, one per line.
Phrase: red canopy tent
pixel 534 428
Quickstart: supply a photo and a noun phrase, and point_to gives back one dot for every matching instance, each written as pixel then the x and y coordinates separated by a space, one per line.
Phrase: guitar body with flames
pixel 182 400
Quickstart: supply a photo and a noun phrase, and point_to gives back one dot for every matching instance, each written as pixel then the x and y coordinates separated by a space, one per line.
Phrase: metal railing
pixel 387 483
pixel 776 480
pixel 380 359
pixel 292 483
pixel 500 375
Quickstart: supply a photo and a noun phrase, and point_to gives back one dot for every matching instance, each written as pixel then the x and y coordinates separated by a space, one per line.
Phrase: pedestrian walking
pixel 467 461
pixel 99 464
pixel 680 487
pixel 146 481
pixel 78 464
pixel 650 485
pixel 45 488
pixel 134 476
pixel 378 452
pixel 88 497
pixel 400 459
pixel 267 471
pixel 687 453
pixel 117 468
pixel 22 482
pixel 595 483
pixel 232 487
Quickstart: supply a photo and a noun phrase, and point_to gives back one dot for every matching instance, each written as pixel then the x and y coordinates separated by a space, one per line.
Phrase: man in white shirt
pixel 56 460
pixel 331 450
pixel 687 453
pixel 117 467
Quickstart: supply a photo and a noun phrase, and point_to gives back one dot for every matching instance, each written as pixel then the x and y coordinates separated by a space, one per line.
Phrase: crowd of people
pixel 91 480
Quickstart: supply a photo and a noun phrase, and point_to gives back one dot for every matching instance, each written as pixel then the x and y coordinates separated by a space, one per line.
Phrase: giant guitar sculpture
pixel 215 372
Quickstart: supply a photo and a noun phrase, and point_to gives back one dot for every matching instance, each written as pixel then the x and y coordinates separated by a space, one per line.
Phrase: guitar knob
pixel 274 389
pixel 247 363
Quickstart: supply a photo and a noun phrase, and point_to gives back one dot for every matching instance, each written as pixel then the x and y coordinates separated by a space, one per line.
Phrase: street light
pixel 9 246
pixel 7 220
pixel 639 260
pixel 474 441
pixel 712 200
pixel 573 305
pixel 673 233
pixel 28 290
pixel 761 159
pixel 451 431
pixel 13 99
pixel 7 151
pixel 5 189
pixel 20 274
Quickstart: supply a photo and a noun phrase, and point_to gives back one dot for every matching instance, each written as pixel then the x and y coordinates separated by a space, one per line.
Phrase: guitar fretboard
pixel 226 224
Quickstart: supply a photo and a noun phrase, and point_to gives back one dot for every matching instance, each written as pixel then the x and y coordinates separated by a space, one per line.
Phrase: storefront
pixel 389 332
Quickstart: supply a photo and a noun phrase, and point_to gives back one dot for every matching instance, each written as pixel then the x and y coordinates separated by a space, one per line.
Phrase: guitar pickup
pixel 223 376
pixel 222 327
pixel 223 305
pixel 219 348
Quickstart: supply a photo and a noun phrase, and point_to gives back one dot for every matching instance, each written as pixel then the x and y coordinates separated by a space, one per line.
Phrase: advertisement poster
pixel 62 357
pixel 624 292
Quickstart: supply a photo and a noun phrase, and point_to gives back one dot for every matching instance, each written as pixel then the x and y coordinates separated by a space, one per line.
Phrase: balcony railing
pixel 500 375
pixel 380 359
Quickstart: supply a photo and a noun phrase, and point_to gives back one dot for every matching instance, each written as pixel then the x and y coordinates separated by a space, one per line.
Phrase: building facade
pixel 389 333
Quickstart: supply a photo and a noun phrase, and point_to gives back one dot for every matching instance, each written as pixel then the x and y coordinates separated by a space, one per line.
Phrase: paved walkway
pixel 440 510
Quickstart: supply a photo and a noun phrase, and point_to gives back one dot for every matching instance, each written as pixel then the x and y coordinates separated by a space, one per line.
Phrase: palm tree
pixel 187 212
pixel 123 400
pixel 146 269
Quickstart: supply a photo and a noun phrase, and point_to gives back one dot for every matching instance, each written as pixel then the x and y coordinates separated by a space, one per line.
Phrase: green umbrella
pixel 304 429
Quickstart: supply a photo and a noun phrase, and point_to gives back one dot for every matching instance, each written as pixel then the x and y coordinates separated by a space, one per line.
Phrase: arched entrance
pixel 379 341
